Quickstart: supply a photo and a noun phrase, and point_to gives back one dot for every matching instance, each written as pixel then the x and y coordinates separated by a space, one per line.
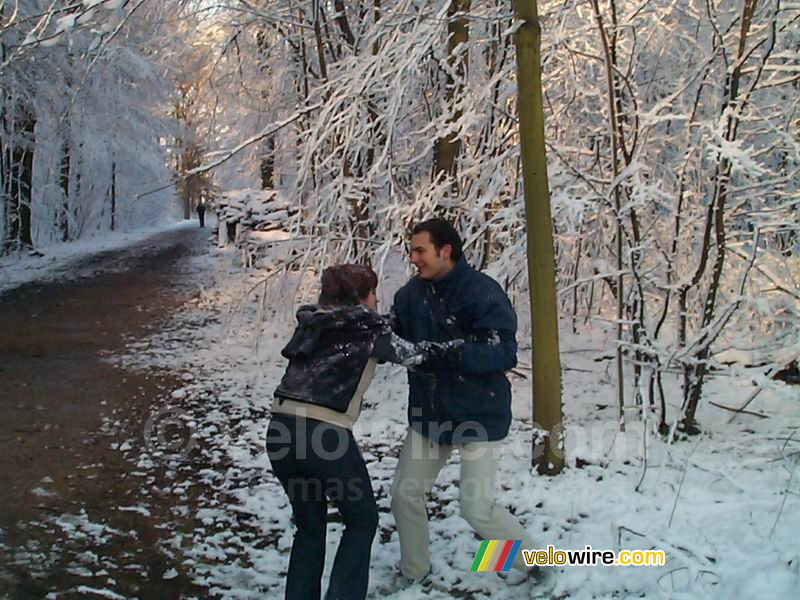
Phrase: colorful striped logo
pixel 495 555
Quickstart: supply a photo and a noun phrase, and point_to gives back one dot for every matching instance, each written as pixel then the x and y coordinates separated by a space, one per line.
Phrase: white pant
pixel 419 464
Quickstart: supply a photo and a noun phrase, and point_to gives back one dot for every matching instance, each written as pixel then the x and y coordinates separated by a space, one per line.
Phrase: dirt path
pixel 73 522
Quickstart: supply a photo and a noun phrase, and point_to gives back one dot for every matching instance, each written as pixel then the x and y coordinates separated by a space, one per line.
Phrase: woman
pixel 332 357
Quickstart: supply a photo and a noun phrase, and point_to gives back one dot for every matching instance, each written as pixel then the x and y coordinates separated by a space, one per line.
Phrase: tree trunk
pixel 113 194
pixel 548 455
pixel 268 165
pixel 344 24
pixel 446 149
pixel 186 200
pixel 4 163
pixel 323 69
pixel 20 182
pixel 5 196
pixel 5 178
pixel 716 222
pixel 78 218
pixel 63 178
pixel 615 142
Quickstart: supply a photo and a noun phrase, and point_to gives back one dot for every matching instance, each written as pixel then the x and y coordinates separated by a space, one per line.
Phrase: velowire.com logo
pixel 499 555
pixel 495 555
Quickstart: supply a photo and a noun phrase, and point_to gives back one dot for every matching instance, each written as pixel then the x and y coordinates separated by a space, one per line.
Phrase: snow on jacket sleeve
pixel 492 346
pixel 392 348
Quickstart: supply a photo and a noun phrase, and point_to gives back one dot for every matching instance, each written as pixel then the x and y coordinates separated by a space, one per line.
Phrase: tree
pixel 82 93
pixel 548 454
pixel 730 116
pixel 18 146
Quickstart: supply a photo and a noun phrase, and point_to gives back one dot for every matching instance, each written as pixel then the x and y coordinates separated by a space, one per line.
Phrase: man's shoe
pixel 514 577
pixel 538 576
pixel 424 581
pixel 401 582
pixel 540 581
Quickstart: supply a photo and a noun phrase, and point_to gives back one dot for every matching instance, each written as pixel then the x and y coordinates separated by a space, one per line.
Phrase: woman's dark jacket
pixel 469 400
pixel 330 349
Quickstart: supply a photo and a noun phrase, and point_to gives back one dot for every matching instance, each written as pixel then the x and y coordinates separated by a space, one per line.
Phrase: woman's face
pixel 371 300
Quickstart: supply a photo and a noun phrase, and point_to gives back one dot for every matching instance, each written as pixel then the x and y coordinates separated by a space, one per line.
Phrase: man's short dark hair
pixel 442 232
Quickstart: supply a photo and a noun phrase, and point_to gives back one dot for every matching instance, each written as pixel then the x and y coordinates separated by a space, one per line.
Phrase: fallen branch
pixel 679 552
pixel 739 410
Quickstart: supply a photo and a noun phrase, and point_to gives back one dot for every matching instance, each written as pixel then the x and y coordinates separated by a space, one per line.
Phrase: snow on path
pixel 712 502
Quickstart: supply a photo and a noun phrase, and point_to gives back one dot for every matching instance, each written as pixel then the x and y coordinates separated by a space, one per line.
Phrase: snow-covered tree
pixel 81 119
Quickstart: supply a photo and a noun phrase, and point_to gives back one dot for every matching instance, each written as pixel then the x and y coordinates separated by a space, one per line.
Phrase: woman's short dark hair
pixel 441 232
pixel 345 285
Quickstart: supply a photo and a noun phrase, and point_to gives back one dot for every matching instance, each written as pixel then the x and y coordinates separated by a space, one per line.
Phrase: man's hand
pixel 438 355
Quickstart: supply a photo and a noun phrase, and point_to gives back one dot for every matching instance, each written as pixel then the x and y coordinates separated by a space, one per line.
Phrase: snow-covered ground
pixel 723 505
pixel 53 261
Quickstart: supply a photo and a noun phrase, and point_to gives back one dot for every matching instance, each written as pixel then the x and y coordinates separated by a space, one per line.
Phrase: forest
pixel 671 135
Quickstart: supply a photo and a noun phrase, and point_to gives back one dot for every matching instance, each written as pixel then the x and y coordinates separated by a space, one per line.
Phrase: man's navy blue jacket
pixel 471 400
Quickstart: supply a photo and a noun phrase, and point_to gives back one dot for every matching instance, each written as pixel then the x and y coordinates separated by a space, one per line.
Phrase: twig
pixel 518 373
pixel 789 439
pixel 787 491
pixel 644 449
pixel 622 528
pixel 745 405
pixel 783 503
pixel 613 441
pixel 670 441
pixel 678 569
pixel 683 478
pixel 240 304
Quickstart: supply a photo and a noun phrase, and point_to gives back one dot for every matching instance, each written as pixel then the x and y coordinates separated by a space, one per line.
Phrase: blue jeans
pixel 316 463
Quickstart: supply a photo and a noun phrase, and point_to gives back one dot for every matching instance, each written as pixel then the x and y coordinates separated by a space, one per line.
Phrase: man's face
pixel 432 264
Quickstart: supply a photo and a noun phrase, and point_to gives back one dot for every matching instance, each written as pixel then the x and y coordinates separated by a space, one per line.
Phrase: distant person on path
pixel 201 213
pixel 463 403
pixel 332 357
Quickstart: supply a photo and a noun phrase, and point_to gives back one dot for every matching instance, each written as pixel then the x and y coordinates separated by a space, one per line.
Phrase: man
pixel 201 213
pixel 463 402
